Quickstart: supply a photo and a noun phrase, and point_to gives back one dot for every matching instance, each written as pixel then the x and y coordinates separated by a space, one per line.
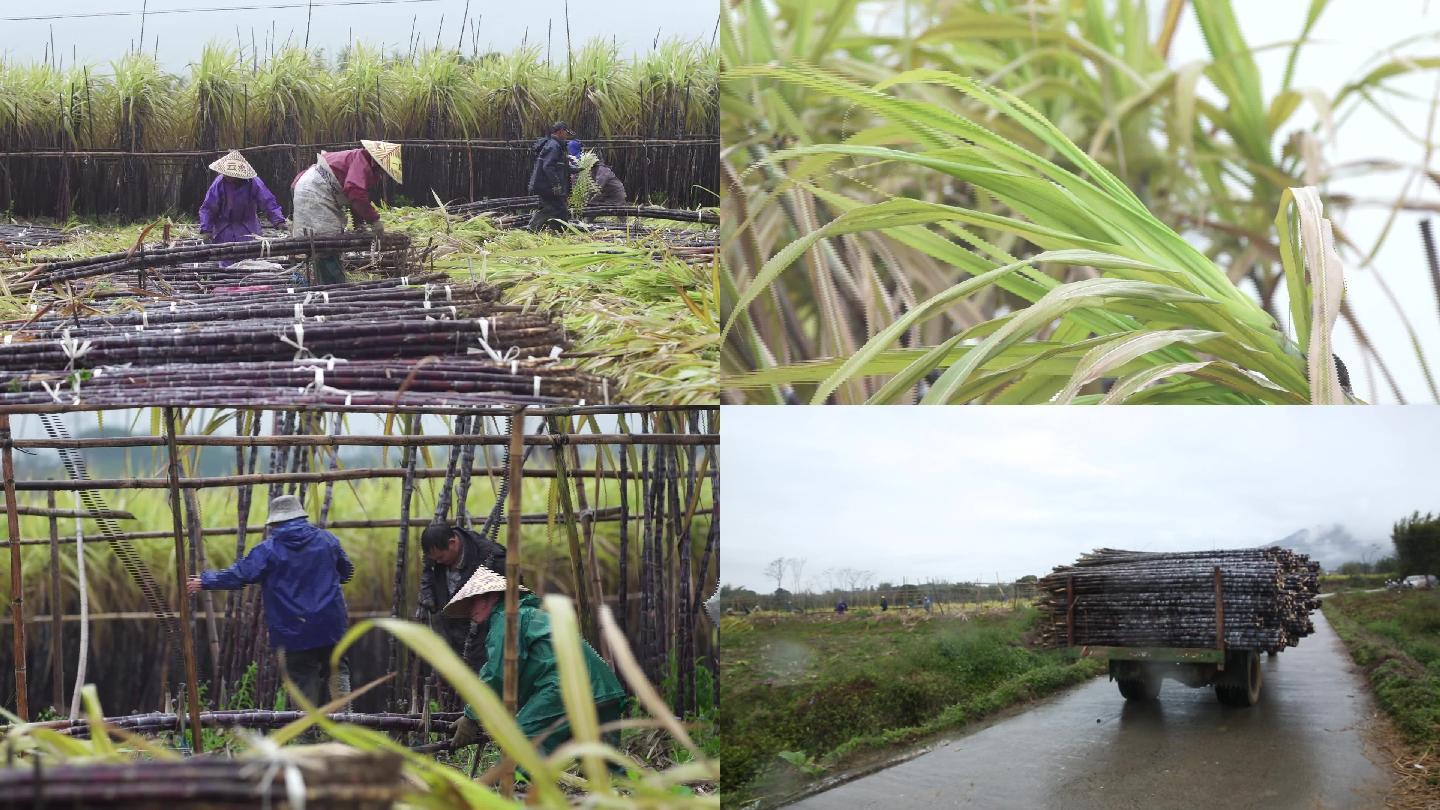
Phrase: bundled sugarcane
pixel 56 272
pixel 23 235
pixel 329 776
pixel 474 379
pixel 1143 599
pixel 161 722
pixel 363 338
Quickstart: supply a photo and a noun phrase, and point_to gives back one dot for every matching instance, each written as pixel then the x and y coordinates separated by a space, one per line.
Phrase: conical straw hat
pixel 234 165
pixel 387 155
pixel 481 582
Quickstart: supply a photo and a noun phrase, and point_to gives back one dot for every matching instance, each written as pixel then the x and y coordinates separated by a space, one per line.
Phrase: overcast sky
pixel 966 494
pixel 503 25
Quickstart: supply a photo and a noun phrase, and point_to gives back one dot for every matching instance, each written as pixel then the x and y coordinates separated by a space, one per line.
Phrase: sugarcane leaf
pixel 1106 357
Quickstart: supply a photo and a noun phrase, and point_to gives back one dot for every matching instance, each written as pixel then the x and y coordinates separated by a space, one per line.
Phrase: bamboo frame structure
pixel 571 449
pixel 17 601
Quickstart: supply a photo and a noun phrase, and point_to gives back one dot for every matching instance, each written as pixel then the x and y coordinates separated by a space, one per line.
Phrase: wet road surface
pixel 1302 746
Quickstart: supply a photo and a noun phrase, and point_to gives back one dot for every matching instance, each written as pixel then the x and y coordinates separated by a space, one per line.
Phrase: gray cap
pixel 285 507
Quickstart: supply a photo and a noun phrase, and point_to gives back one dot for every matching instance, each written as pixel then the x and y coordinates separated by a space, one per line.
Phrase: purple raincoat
pixel 228 213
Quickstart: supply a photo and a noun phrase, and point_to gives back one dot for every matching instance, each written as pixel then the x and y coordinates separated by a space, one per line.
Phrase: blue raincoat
pixel 574 147
pixel 300 568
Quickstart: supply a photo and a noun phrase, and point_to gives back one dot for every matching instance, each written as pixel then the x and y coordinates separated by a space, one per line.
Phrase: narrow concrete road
pixel 1301 747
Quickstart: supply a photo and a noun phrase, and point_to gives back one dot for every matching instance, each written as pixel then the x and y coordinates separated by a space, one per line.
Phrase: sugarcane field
pixel 359 404
pixel 1095 610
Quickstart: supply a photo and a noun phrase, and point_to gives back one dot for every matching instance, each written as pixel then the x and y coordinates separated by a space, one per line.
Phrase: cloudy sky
pixel 503 24
pixel 975 493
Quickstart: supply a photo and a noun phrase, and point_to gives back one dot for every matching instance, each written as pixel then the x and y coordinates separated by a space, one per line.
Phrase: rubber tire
pixel 1240 684
pixel 1139 688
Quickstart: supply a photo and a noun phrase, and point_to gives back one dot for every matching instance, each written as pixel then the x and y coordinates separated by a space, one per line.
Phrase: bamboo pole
pixel 608 514
pixel 511 686
pixel 540 439
pixel 57 633
pixel 181 576
pixel 197 546
pixel 402 548
pixel 17 602
pixel 205 482
pixel 561 427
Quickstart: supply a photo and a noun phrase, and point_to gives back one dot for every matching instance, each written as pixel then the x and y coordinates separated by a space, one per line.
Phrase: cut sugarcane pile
pixel 332 777
pixel 28 236
pixel 1139 599
pixel 160 722
pixel 385 342
pixel 143 258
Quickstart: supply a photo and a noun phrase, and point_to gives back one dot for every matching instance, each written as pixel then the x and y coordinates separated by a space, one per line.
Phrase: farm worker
pixel 299 568
pixel 228 212
pixel 452 555
pixel 840 607
pixel 927 603
pixel 884 604
pixel 608 188
pixel 574 148
pixel 341 181
pixel 550 178
pixel 541 708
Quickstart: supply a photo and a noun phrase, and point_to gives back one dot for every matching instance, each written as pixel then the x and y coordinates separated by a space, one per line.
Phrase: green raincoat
pixel 539 697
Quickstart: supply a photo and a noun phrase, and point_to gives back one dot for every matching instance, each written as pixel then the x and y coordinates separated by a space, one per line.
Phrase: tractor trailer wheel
pixel 1239 684
pixel 1143 687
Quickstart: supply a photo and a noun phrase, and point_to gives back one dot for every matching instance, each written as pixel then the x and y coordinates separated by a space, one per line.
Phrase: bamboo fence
pixel 664 459
pixel 678 171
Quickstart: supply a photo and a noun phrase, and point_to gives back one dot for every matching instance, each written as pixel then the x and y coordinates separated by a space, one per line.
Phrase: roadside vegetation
pixel 1395 637
pixel 810 695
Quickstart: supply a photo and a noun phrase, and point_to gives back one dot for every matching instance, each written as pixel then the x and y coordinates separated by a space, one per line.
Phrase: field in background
pixel 1395 637
pixel 806 695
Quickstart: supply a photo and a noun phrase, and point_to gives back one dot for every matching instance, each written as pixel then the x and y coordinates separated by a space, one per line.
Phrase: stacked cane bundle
pixel 1138 599
pixel 330 779
pixel 160 722
pixel 387 342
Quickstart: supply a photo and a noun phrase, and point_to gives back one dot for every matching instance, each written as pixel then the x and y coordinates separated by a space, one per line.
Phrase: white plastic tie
pixel 447 293
pixel 326 295
pixel 144 320
pixel 8 338
pixel 299 342
pixel 173 307
pixel 555 352
pixel 404 281
pixel 427 303
pixel 454 314
pixel 605 389
pixel 299 312
pixel 514 366
pixel 537 385
pixel 309 295
pixel 289 290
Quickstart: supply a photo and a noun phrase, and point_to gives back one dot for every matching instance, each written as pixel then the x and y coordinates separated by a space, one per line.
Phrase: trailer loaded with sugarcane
pixel 1202 618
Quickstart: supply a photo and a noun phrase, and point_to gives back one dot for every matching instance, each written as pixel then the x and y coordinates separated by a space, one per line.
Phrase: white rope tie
pixel 9 336
pixel 289 290
pixel 174 307
pixel 326 295
pixel 144 320
pixel 555 352
pixel 299 342
pixel 299 312
pixel 537 385
pixel 447 293
pixel 404 281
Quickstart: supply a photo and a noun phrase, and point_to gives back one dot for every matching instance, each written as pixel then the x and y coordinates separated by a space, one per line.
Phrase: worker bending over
pixel 338 183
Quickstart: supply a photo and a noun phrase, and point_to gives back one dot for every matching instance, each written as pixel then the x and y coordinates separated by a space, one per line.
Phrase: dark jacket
pixel 435 592
pixel 551 175
pixel 608 188
pixel 300 568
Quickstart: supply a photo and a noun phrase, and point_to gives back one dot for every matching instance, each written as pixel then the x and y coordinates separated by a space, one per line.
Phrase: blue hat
pixel 574 148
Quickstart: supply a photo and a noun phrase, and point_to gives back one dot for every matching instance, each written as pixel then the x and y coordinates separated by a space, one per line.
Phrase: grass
pixel 1395 637
pixel 806 696
pixel 1014 203
pixel 574 771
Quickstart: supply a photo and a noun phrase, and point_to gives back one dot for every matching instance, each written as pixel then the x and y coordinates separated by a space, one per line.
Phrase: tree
pixel 1417 544
pixel 776 571
pixel 797 570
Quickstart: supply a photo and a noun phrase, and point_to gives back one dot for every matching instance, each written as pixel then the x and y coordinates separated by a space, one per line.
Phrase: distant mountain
pixel 1333 545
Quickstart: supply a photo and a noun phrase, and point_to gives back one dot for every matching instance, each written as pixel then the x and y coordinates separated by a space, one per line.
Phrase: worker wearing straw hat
pixel 541 711
pixel 550 177
pixel 228 213
pixel 299 568
pixel 340 183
